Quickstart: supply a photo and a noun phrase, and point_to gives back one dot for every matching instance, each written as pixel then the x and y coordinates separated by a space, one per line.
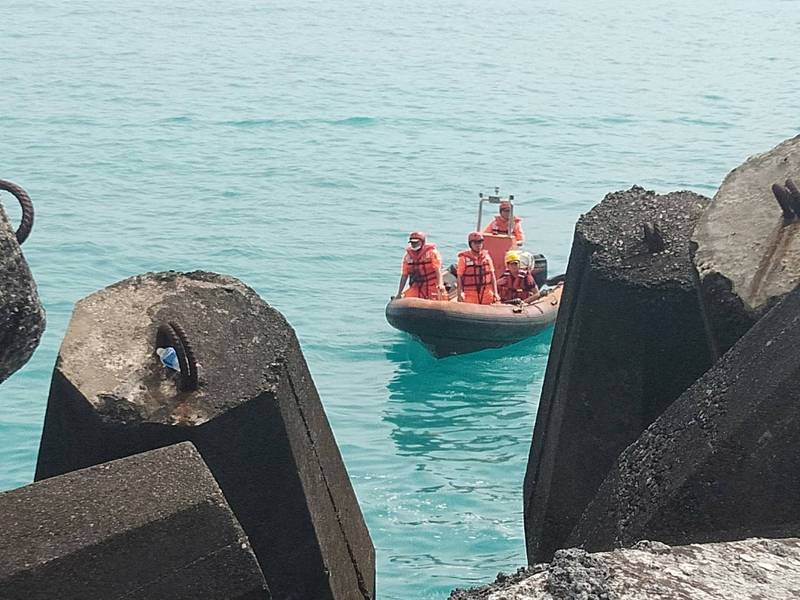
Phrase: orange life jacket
pixel 511 287
pixel 500 225
pixel 477 271
pixel 421 268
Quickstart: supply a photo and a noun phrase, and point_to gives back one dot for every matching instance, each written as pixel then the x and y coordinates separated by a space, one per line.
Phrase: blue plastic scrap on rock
pixel 169 358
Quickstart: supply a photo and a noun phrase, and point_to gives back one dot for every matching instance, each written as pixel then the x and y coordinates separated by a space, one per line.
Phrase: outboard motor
pixel 539 269
pixel 449 280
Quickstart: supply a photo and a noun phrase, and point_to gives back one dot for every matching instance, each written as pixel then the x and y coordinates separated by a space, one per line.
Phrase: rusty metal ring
pixel 172 334
pixel 26 223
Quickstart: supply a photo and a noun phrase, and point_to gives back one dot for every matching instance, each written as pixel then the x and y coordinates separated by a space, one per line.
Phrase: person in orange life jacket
pixel 422 268
pixel 500 224
pixel 517 284
pixel 477 283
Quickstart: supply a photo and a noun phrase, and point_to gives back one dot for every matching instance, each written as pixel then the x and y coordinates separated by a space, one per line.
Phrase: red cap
pixel 505 204
pixel 475 236
pixel 417 235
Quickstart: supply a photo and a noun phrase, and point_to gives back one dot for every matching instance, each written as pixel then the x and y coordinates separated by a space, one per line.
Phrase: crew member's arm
pixel 494 282
pixel 501 283
pixel 437 264
pixel 403 279
pixel 519 235
pixel 460 268
pixel 534 294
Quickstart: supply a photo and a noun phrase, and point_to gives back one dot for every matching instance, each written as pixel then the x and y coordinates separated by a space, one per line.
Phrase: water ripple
pixel 295 145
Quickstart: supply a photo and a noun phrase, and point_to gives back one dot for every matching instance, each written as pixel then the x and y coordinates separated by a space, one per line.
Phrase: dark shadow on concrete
pixel 723 462
pixel 629 339
pixel 150 526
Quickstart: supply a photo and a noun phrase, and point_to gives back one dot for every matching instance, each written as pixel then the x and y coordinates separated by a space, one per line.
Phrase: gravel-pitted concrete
pixel 723 462
pixel 256 419
pixel 147 527
pixel 21 314
pixel 747 569
pixel 629 339
pixel 747 256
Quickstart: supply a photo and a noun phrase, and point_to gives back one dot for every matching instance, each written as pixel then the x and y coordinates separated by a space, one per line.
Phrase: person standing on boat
pixel 422 269
pixel 517 284
pixel 499 226
pixel 477 283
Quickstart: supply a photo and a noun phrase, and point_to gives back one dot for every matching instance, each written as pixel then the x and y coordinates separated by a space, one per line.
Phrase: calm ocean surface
pixel 294 145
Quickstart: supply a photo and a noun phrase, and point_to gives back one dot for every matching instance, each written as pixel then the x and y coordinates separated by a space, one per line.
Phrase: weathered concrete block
pixel 628 340
pixel 747 255
pixel 754 568
pixel 723 462
pixel 22 319
pixel 256 419
pixel 151 526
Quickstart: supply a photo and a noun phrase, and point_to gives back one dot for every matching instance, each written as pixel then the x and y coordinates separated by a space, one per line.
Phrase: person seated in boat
pixel 422 269
pixel 475 276
pixel 499 226
pixel 516 284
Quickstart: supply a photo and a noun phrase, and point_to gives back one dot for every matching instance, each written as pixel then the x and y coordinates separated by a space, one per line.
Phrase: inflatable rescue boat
pixel 448 327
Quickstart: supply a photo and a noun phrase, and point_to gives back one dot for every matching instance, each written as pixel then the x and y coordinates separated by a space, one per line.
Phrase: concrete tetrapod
pixel 22 319
pixel 255 418
pixel 628 340
pixel 722 462
pixel 747 569
pixel 747 244
pixel 147 527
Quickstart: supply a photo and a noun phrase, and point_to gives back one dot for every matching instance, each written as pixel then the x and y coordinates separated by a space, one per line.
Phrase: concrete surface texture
pixel 746 569
pixel 147 527
pixel 723 461
pixel 256 419
pixel 629 339
pixel 747 255
pixel 22 319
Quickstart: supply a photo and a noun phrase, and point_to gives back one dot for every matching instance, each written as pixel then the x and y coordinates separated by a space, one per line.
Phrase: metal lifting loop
pixel 26 224
pixel 172 334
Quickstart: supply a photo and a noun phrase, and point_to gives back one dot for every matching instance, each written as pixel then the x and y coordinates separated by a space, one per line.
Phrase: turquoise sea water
pixel 294 145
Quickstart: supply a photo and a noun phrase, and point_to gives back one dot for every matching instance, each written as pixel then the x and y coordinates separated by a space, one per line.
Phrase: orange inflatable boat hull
pixel 448 328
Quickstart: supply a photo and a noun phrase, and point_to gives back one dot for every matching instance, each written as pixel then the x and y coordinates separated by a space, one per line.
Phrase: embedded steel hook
pixel 794 196
pixel 653 237
pixel 26 223
pixel 173 335
pixel 784 198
